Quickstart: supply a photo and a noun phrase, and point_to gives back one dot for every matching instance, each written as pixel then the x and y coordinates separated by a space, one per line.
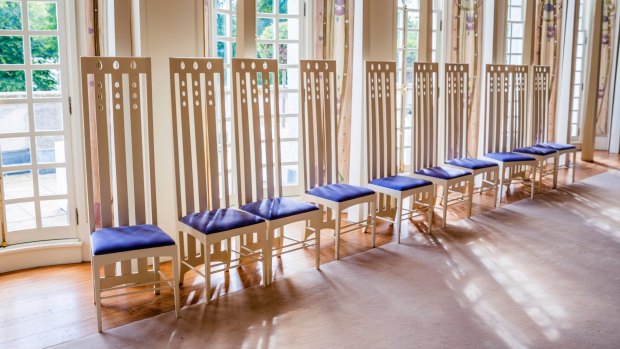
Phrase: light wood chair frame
pixel 457 121
pixel 122 97
pixel 200 140
pixel 318 114
pixel 505 122
pixel 380 86
pixel 256 106
pixel 425 143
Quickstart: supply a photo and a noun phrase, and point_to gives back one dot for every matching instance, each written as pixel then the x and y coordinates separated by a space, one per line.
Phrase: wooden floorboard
pixel 49 305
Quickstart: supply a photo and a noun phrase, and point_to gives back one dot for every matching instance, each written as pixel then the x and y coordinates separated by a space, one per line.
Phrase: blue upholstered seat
pixel 471 163
pixel 340 192
pixel 535 150
pixel 442 172
pixel 131 238
pixel 215 221
pixel 555 146
pixel 509 157
pixel 277 208
pixel 400 183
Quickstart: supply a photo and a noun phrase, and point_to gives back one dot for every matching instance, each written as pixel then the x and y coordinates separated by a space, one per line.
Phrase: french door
pixel 35 148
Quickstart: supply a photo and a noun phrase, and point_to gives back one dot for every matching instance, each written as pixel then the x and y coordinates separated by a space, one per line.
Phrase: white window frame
pixel 513 57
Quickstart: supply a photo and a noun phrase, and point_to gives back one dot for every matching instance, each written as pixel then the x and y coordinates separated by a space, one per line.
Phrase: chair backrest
pixel 506 106
pixel 381 119
pixel 123 136
pixel 456 110
pixel 425 152
pixel 256 121
pixel 318 114
pixel 540 103
pixel 199 127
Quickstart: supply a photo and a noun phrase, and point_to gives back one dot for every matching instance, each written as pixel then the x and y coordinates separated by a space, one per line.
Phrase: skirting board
pixel 37 254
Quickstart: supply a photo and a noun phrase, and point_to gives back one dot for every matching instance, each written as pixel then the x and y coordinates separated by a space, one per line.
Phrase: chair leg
pixel 317 248
pixel 156 275
pixel 228 254
pixel 266 252
pixel 533 181
pixel 496 184
pixel 431 213
pixel 207 257
pixel 574 164
pixel 337 234
pixel 175 275
pixel 373 215
pixel 502 175
pixel 470 189
pixel 398 217
pixel 270 246
pixel 445 205
pixel 97 284
pixel 556 161
pixel 541 166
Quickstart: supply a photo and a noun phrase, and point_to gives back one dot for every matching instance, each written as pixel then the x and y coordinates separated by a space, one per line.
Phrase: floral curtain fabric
pixel 465 48
pixel 548 20
pixel 607 49
pixel 333 39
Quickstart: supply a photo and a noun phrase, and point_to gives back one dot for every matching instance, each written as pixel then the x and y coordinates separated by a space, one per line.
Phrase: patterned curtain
pixel 607 49
pixel 466 48
pixel 335 41
pixel 548 19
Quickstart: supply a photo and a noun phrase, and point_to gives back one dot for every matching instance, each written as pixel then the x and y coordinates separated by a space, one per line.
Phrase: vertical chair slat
pixel 199 138
pixel 328 111
pixel 425 97
pixel 103 153
pixel 120 158
pixel 151 142
pixel 137 154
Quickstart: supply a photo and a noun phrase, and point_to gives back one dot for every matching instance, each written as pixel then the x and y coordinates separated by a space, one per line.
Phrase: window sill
pixel 38 254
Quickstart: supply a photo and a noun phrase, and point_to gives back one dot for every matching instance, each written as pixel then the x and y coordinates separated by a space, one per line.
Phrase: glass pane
pixel 15 151
pixel 290 174
pixel 20 216
pixel 44 49
pixel 221 4
pixel 264 28
pixel 412 40
pixel 53 181
pixel 289 127
pixel 42 15
pixel 12 49
pixel 233 5
pixel 413 20
pixel 12 84
pixel 54 213
pixel 234 26
pixel 221 50
pixel 290 151
pixel 517 30
pixel 290 7
pixel 221 22
pixel 48 116
pixel 10 15
pixel 234 50
pixel 13 118
pixel 46 83
pixel 264 6
pixel 289 103
pixel 264 50
pixel 17 185
pixel 288 29
pixel 288 53
pixel 50 149
pixel 515 14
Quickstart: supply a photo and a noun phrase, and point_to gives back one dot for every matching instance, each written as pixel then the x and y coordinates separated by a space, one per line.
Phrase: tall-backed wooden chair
pixel 540 119
pixel 201 148
pixel 256 124
pixel 425 152
pixel 456 109
pixel 320 147
pixel 124 157
pixel 505 123
pixel 539 77
pixel 382 169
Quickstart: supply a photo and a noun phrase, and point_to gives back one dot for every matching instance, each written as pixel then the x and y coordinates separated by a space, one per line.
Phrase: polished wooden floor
pixel 46 306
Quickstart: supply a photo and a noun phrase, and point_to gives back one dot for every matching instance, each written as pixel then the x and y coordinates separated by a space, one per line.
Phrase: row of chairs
pixel 221 159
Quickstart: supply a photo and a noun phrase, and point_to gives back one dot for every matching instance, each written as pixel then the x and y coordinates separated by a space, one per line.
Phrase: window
pixel 575 127
pixel 515 31
pixel 278 36
pixel 33 121
pixel 409 26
